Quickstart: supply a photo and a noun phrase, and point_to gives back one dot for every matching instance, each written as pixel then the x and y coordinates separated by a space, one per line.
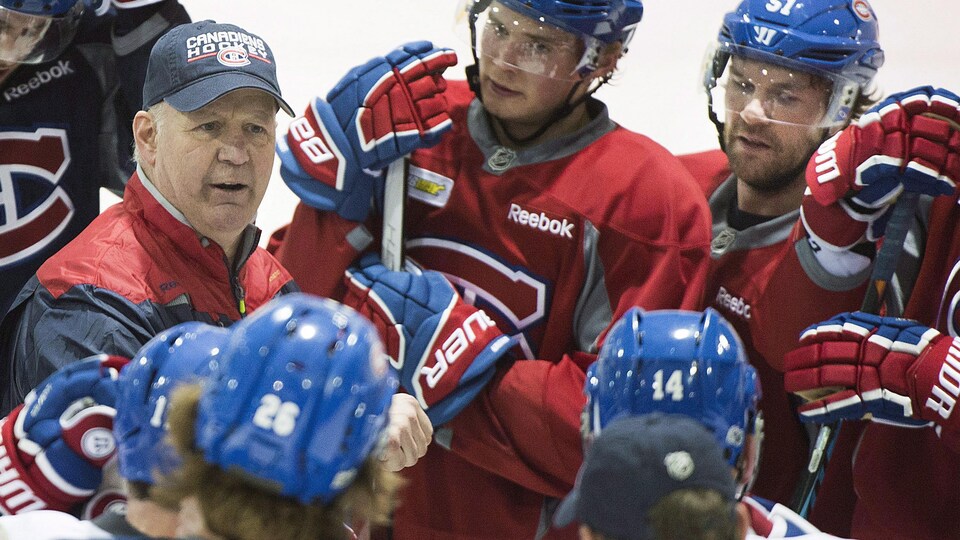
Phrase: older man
pixel 182 246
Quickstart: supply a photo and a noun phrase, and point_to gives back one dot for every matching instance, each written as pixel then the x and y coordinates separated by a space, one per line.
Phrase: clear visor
pixel 31 39
pixel 772 89
pixel 510 40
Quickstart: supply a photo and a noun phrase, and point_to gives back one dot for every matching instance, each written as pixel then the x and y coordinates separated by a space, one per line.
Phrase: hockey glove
pixel 378 113
pixel 444 349
pixel 57 441
pixel 856 175
pixel 895 370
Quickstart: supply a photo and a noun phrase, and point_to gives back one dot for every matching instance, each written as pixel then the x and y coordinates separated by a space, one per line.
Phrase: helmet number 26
pixel 783 7
pixel 278 416
pixel 674 386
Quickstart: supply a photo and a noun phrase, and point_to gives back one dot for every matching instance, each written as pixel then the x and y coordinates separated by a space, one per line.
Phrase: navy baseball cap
pixel 196 63
pixel 633 463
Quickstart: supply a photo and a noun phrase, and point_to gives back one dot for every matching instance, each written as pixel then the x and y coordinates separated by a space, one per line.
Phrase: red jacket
pixel 134 272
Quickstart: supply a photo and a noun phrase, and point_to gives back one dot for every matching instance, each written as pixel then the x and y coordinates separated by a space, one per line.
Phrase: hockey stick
pixel 883 269
pixel 394 203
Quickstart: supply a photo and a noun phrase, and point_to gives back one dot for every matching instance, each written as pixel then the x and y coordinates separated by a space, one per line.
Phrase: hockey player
pixel 282 441
pixel 71 73
pixel 540 221
pixel 181 246
pixel 901 372
pixel 691 364
pixel 782 78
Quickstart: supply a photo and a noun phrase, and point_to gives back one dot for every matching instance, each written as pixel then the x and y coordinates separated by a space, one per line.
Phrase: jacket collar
pixel 143 198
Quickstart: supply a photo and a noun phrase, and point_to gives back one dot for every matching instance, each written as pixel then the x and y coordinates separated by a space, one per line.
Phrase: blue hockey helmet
pixel 300 398
pixel 176 356
pixel 836 40
pixel 594 24
pixel 670 361
pixel 34 31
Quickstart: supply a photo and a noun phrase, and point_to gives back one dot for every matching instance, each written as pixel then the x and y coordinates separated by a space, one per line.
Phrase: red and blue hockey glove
pixel 378 113
pixel 444 349
pixel 55 444
pixel 895 370
pixel 909 141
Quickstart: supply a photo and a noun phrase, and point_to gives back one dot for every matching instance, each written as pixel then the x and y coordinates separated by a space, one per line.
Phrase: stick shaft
pixel 883 269
pixel 394 204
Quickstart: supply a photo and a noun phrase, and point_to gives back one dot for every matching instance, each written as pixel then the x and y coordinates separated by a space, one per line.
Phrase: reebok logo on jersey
pixel 734 304
pixel 39 79
pixel 947 389
pixel 540 221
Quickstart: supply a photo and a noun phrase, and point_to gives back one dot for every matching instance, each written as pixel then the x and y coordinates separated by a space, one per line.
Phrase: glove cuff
pixel 19 492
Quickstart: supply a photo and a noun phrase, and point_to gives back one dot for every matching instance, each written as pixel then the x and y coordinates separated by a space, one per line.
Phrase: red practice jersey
pixel 765 281
pixel 555 242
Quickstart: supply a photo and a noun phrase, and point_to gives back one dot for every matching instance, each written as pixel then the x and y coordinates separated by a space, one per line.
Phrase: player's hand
pixel 893 370
pixel 909 141
pixel 58 440
pixel 334 154
pixel 394 104
pixel 444 349
pixel 408 434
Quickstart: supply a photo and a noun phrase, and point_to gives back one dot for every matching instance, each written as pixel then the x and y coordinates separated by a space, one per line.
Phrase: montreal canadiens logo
pixel 98 443
pixel 235 56
pixel 862 9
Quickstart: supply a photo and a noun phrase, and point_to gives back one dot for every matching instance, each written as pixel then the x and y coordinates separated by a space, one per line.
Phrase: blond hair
pixel 234 506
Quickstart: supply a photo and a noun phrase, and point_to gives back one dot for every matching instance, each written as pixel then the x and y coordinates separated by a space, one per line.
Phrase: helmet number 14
pixel 674 386
pixel 783 7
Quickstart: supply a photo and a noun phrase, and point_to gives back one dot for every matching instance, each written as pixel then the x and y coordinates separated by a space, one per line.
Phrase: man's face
pixel 19 34
pixel 526 68
pixel 768 132
pixel 214 164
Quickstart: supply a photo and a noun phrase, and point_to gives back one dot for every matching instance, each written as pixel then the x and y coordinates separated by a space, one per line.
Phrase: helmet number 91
pixel 674 386
pixel 783 7
pixel 278 416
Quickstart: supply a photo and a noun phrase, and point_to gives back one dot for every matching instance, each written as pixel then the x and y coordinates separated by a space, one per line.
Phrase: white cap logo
pixel 235 56
pixel 679 465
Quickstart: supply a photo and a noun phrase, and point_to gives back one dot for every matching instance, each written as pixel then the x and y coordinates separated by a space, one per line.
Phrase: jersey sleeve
pixel 542 401
pixel 317 247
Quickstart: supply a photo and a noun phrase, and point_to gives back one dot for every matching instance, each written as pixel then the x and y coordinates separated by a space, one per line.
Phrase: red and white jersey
pixel 765 280
pixel 770 520
pixel 49 525
pixel 555 242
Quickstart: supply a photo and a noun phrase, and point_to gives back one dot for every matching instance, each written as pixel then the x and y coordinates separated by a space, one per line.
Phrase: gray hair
pixel 159 112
